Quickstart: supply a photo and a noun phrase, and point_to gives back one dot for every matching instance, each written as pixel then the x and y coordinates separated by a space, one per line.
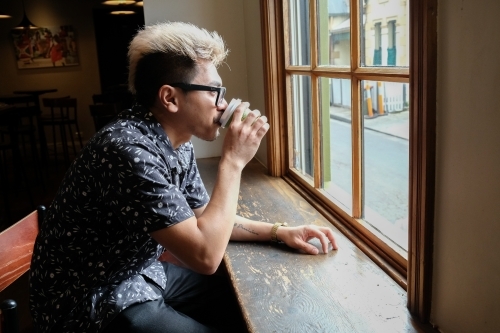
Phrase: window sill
pixel 280 290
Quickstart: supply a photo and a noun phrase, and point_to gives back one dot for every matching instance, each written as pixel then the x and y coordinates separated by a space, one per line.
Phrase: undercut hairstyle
pixel 167 53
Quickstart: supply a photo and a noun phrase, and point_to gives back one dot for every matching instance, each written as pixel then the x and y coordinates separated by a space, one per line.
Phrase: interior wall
pixel 255 66
pixel 237 21
pixel 466 290
pixel 79 81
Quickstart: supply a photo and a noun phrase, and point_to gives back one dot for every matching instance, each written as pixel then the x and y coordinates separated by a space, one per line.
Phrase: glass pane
pixel 336 148
pixel 299 33
pixel 302 124
pixel 334 32
pixel 385 33
pixel 386 158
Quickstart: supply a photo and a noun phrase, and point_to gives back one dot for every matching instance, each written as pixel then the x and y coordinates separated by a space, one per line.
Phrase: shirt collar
pixel 176 158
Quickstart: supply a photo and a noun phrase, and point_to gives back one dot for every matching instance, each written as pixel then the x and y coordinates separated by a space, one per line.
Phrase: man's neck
pixel 172 127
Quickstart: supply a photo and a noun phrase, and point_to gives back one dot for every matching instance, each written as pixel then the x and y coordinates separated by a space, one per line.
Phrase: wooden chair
pixel 63 114
pixel 102 114
pixel 16 249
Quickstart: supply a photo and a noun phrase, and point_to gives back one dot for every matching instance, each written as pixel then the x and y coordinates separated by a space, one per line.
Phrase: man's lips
pixel 217 119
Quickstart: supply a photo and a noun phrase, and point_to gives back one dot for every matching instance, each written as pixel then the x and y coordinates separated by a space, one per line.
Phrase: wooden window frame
pixel 415 275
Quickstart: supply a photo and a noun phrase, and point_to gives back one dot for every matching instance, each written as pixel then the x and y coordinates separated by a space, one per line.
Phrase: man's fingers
pixel 318 233
pixel 263 118
pixel 238 112
pixel 324 235
pixel 261 126
pixel 332 239
pixel 307 248
pixel 329 236
pixel 261 131
pixel 251 117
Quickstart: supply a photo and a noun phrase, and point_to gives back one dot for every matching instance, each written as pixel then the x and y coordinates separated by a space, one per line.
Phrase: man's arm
pixel 295 237
pixel 200 241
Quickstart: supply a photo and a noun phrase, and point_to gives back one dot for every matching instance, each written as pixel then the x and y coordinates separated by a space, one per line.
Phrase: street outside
pixel 386 169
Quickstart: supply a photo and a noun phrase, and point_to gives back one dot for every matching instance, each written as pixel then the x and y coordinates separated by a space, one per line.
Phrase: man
pixel 135 191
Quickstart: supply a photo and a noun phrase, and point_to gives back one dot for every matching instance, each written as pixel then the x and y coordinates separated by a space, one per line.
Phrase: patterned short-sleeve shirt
pixel 94 253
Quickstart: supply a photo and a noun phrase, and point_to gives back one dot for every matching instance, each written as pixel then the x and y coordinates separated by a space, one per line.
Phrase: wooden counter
pixel 281 290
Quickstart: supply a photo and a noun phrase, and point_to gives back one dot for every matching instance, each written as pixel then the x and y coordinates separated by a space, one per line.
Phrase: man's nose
pixel 223 105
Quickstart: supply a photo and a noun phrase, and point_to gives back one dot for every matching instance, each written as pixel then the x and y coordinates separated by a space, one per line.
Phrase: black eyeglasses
pixel 221 91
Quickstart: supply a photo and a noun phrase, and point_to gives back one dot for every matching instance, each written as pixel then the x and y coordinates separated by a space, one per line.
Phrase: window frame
pixel 415 274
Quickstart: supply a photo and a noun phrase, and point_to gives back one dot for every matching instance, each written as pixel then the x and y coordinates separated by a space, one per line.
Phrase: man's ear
pixel 168 97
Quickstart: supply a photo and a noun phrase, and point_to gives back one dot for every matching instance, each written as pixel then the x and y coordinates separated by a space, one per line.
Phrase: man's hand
pixel 298 237
pixel 244 136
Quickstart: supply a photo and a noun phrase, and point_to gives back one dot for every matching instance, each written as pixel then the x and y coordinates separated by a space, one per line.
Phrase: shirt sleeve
pixel 141 191
pixel 195 191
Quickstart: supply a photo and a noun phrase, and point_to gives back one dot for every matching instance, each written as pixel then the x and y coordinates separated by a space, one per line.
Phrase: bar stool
pixel 23 125
pixel 28 113
pixel 63 114
pixel 10 152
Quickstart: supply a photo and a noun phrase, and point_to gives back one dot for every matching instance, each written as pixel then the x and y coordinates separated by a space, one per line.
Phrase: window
pixel 352 130
pixel 349 129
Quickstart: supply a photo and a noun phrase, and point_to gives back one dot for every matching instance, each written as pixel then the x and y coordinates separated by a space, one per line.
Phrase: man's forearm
pixel 216 221
pixel 247 230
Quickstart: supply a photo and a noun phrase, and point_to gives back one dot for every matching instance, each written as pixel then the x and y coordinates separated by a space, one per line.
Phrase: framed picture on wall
pixel 45 47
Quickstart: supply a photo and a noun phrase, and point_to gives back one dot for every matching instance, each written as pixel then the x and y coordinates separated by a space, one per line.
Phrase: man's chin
pixel 210 139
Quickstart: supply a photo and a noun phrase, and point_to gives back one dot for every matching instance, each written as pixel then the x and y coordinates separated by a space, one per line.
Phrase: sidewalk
pixel 393 123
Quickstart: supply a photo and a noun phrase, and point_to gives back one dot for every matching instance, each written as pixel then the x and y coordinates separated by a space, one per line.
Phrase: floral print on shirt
pixel 94 255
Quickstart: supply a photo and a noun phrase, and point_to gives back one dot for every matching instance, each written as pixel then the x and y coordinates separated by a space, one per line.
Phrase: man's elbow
pixel 207 267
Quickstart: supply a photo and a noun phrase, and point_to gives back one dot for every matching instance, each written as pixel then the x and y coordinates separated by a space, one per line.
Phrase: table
pixel 17 99
pixel 41 133
pixel 35 92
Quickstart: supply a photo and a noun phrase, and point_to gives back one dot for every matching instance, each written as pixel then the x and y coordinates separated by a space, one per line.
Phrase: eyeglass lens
pixel 222 93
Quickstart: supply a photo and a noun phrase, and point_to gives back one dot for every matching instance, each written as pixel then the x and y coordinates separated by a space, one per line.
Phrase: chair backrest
pixel 16 247
pixel 102 114
pixel 61 107
pixel 51 102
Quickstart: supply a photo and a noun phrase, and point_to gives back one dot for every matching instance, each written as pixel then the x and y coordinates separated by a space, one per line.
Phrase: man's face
pixel 200 109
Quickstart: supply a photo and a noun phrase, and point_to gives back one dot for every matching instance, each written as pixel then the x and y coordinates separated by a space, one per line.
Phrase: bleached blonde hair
pixel 176 40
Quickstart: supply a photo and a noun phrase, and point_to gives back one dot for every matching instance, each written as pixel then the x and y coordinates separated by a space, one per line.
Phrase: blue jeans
pixel 191 302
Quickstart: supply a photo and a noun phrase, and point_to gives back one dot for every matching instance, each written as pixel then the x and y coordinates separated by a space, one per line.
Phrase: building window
pixel 377 50
pixel 391 47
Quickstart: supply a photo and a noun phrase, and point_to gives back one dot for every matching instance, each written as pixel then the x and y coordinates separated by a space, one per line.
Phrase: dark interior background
pixel 113 34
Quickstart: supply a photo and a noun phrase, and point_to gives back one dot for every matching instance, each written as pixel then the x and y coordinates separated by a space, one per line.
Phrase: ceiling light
pixel 4 16
pixel 122 12
pixel 118 2
pixel 25 22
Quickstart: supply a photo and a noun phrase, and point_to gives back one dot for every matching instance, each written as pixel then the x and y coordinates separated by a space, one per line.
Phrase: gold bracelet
pixel 274 236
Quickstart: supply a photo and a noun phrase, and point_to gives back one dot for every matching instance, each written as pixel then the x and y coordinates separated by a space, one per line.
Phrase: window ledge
pixel 281 290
